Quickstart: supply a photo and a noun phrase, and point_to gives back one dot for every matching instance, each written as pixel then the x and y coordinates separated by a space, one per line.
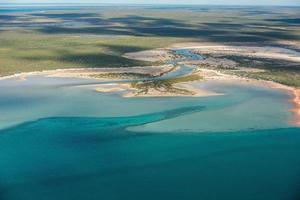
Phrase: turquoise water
pixel 61 140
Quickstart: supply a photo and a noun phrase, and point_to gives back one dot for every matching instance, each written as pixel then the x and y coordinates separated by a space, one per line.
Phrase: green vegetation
pixel 183 79
pixel 98 36
pixel 284 77
pixel 165 85
pixel 287 73
pixel 25 52
pixel 129 76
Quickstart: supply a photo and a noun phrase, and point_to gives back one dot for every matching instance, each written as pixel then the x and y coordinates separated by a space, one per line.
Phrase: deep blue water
pixel 98 158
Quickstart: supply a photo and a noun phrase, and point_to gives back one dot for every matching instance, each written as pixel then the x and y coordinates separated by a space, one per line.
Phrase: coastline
pixel 128 91
pixel 294 93
pixel 89 72
pixel 296 110
pixel 184 87
pixel 294 100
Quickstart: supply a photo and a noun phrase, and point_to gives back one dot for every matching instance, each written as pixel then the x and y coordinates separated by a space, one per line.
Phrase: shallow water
pixel 40 97
pixel 183 70
pixel 61 140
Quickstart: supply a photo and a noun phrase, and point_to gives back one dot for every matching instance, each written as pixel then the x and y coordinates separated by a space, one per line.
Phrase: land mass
pixel 216 64
pixel 134 48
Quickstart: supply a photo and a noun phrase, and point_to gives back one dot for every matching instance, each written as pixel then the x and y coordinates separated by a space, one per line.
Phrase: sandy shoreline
pixel 295 100
pixel 296 110
pixel 128 91
pixel 89 72
pixel 292 91
pixel 162 55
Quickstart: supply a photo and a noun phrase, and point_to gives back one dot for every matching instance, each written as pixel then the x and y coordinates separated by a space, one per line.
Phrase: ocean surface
pixel 59 139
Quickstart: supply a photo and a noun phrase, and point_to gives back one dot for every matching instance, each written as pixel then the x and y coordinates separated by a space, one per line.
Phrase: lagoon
pixel 62 140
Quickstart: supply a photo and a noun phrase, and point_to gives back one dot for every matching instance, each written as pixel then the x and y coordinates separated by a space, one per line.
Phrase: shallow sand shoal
pixel 112 87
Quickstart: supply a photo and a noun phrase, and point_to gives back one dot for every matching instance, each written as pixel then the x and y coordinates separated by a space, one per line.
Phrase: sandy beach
pixel 128 91
pixel 91 73
pixel 209 74
pixel 294 92
pixel 295 100
pixel 183 88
